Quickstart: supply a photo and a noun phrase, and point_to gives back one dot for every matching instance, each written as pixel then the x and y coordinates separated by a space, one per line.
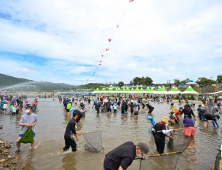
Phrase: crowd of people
pixel 122 156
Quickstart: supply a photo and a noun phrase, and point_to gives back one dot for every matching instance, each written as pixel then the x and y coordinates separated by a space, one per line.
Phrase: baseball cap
pixel 218 117
pixel 28 105
pixel 144 149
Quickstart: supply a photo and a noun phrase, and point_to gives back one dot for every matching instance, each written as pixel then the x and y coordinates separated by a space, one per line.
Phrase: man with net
pixel 160 133
pixel 122 157
pixel 71 130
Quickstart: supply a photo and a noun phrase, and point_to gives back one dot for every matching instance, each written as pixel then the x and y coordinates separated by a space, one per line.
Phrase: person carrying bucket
pixel 28 120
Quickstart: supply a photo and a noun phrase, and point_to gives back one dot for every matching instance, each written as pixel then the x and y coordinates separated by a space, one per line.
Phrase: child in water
pixel 13 109
pixel 115 108
pixel 152 124
pixel 172 111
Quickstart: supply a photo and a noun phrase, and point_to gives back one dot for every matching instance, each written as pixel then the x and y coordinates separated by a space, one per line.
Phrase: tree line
pixel 147 81
pixel 201 80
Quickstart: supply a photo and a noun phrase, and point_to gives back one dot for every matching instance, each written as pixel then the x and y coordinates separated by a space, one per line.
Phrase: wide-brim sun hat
pixel 164 119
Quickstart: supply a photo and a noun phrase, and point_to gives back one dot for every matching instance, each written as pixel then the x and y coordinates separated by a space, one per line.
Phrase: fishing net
pixel 168 162
pixel 93 141
pixel 173 149
pixel 217 162
pixel 180 142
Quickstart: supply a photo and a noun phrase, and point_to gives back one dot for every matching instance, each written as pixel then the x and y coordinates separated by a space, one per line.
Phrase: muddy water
pixel 117 129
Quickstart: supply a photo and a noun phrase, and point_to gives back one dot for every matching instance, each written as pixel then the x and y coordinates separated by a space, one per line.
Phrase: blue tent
pixel 182 84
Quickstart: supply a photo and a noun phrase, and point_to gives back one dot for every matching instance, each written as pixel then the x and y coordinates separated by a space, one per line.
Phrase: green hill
pixel 6 80
pixel 11 83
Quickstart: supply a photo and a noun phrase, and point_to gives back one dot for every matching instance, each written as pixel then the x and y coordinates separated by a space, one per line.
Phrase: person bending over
pixel 207 117
pixel 122 157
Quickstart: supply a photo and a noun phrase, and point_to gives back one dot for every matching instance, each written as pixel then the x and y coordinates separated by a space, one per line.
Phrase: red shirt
pixel 177 112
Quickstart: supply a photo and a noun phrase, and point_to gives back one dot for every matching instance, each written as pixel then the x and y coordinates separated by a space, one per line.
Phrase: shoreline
pixel 7 161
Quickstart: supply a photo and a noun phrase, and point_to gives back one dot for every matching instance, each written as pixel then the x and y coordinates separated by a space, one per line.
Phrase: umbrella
pixel 191 82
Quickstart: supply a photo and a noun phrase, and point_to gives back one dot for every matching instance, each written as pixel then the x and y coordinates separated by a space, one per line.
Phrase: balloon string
pixel 102 55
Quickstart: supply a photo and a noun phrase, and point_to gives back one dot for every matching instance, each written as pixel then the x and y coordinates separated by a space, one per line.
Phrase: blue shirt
pixel 201 112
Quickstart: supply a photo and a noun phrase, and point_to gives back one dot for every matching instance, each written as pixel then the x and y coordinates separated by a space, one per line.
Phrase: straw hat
pixel 164 119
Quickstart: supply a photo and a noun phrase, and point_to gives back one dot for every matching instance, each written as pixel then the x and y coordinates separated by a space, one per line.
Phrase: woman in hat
pixel 160 133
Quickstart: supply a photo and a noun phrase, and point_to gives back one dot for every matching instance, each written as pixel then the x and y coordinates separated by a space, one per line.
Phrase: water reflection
pixel 69 161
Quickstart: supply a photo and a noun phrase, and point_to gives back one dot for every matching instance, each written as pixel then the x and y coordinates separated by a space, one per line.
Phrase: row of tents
pixel 160 90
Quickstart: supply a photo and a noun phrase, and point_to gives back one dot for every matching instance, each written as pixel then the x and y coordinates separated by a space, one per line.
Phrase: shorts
pixel 20 135
pixel 67 110
pixel 204 119
pixel 108 110
pixel 189 131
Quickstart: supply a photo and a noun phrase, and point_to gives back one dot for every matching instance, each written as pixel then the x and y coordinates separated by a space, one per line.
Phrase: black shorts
pixel 67 110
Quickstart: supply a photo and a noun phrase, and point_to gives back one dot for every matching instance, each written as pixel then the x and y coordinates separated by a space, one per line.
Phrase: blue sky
pixel 62 40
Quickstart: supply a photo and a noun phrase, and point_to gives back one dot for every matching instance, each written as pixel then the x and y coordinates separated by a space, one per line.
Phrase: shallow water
pixel 117 129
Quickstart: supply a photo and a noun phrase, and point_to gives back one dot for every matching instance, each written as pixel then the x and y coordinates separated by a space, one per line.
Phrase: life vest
pixel 34 104
pixel 173 109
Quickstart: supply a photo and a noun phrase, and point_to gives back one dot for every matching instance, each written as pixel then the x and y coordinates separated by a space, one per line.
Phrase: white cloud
pixel 161 39
pixel 24 71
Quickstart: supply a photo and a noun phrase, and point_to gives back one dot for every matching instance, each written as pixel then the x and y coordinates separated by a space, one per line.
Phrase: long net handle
pixel 92 132
pixel 179 128
pixel 170 153
pixel 177 161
